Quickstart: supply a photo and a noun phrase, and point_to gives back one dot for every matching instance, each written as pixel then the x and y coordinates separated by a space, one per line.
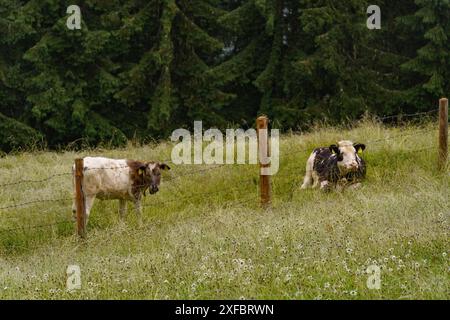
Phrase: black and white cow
pixel 335 165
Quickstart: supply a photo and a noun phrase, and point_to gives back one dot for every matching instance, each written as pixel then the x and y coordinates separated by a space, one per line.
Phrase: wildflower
pixel 349 250
pixel 326 285
pixel 444 254
pixel 353 293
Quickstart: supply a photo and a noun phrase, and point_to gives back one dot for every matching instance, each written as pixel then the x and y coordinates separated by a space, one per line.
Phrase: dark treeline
pixel 141 68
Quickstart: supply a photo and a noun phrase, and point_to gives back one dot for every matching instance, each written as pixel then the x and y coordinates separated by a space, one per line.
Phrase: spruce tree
pixel 429 68
pixel 15 37
pixel 171 79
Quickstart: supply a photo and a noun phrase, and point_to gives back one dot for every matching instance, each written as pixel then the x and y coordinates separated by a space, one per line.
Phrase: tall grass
pixel 205 236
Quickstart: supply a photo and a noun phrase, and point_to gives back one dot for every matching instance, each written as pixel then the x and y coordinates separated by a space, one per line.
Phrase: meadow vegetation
pixel 205 236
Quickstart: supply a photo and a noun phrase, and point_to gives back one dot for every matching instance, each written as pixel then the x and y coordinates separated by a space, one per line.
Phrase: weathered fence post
pixel 443 134
pixel 263 153
pixel 81 210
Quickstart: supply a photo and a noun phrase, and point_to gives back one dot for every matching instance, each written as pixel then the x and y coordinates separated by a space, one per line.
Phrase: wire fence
pixel 410 115
pixel 232 195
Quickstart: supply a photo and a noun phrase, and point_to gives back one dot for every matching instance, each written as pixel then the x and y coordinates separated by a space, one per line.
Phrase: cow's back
pixel 106 178
pixel 325 164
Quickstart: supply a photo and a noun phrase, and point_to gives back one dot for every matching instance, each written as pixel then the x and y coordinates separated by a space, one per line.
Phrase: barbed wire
pixel 408 115
pixel 198 195
pixel 397 151
pixel 37 226
pixel 208 169
pixel 366 142
pixel 6 215
pixel 219 165
pixel 35 181
pixel 249 179
pixel 23 204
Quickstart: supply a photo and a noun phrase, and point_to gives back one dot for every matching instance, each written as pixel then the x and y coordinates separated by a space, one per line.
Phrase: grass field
pixel 205 237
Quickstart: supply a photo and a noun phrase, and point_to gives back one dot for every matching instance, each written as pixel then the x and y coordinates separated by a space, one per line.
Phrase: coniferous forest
pixel 138 69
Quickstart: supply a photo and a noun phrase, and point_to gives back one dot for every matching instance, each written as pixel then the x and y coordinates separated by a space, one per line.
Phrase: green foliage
pixel 15 135
pixel 143 68
pixel 432 61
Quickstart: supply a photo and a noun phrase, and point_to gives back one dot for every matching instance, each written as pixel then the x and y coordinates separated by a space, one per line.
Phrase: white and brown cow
pixel 122 179
pixel 335 165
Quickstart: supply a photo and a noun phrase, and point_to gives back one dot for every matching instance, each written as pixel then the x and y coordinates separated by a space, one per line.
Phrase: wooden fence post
pixel 263 151
pixel 443 134
pixel 81 210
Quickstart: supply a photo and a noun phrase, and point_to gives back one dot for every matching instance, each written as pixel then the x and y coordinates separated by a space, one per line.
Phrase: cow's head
pixel 346 153
pixel 151 174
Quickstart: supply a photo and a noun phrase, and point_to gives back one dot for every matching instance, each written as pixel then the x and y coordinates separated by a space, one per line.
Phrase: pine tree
pixel 383 54
pixel 72 81
pixel 15 133
pixel 171 79
pixel 431 64
pixel 330 65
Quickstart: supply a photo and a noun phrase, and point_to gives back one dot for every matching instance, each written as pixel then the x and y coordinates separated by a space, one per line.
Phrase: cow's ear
pixel 359 147
pixel 334 149
pixel 141 170
pixel 164 166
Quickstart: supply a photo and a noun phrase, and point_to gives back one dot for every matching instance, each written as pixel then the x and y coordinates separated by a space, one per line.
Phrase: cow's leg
pixel 316 179
pixel 138 207
pixel 308 180
pixel 122 208
pixel 88 203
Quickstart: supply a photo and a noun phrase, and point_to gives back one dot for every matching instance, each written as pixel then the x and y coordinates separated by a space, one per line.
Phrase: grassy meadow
pixel 205 236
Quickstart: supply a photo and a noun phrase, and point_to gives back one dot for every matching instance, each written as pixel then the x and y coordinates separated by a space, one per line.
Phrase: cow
pixel 336 165
pixel 122 179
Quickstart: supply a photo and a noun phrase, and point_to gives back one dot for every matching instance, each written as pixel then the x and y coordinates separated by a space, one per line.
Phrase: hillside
pixel 205 237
